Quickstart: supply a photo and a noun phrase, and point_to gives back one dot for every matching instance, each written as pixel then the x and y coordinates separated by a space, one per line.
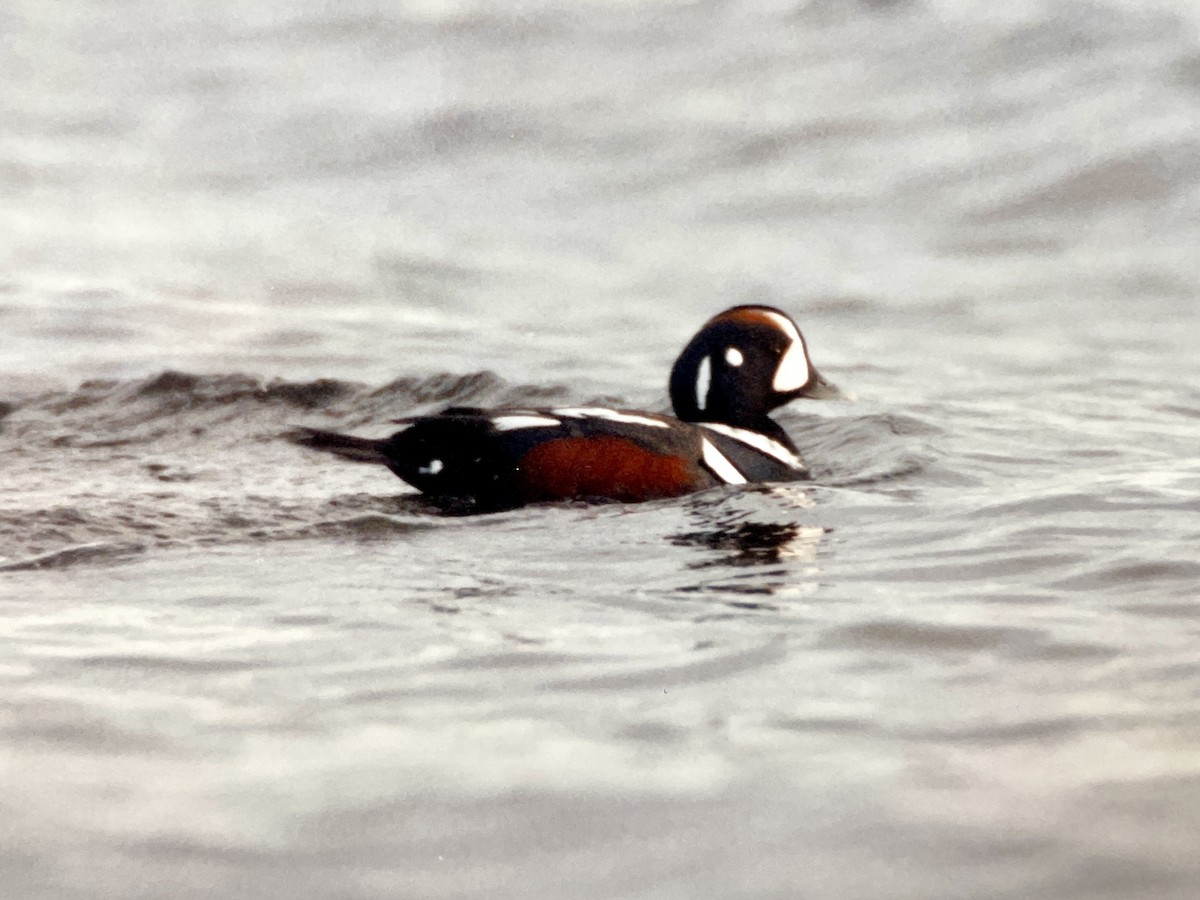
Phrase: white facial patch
pixel 719 464
pixel 518 420
pixel 734 357
pixel 759 442
pixel 612 415
pixel 793 370
pixel 435 466
pixel 703 380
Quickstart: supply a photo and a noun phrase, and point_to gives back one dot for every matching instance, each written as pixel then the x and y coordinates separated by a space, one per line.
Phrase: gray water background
pixel 964 661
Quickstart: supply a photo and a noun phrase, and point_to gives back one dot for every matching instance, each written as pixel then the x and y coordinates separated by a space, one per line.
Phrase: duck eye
pixel 734 357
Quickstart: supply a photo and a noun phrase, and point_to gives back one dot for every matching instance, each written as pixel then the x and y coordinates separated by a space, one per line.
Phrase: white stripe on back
pixel 518 420
pixel 612 415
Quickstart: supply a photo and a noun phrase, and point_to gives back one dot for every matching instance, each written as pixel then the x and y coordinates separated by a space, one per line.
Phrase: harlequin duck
pixel 742 364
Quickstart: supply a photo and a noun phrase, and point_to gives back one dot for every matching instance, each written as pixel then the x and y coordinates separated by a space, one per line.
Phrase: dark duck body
pixel 742 364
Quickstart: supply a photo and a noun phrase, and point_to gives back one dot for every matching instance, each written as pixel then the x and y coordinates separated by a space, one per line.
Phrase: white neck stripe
pixel 703 380
pixel 720 464
pixel 759 442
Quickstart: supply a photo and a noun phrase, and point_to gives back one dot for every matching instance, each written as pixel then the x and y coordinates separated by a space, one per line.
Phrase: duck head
pixel 742 364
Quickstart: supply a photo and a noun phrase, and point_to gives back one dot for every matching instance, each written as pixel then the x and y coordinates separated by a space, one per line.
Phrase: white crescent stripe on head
pixel 793 370
pixel 703 380
pixel 719 464
pixel 759 442
pixel 513 422
pixel 612 415
pixel 783 323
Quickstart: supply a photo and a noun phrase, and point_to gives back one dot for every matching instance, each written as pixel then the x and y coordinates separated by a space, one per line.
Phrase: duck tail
pixel 344 445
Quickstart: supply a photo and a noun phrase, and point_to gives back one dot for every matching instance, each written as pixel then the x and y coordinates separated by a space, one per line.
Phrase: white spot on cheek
pixel 435 466
pixel 734 357
pixel 703 379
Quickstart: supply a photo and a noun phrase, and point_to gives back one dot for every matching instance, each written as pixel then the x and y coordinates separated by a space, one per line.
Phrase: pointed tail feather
pixel 344 445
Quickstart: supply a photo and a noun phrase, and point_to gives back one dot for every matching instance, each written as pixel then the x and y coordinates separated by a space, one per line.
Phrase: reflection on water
pixel 751 543
pixel 757 543
pixel 758 523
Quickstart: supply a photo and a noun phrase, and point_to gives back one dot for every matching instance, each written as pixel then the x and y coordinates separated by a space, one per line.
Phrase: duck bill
pixel 824 390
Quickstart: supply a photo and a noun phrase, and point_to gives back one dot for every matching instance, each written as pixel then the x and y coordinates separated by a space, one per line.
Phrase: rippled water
pixel 963 661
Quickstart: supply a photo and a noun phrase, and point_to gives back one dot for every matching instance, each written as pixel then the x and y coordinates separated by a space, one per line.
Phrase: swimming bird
pixel 741 365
